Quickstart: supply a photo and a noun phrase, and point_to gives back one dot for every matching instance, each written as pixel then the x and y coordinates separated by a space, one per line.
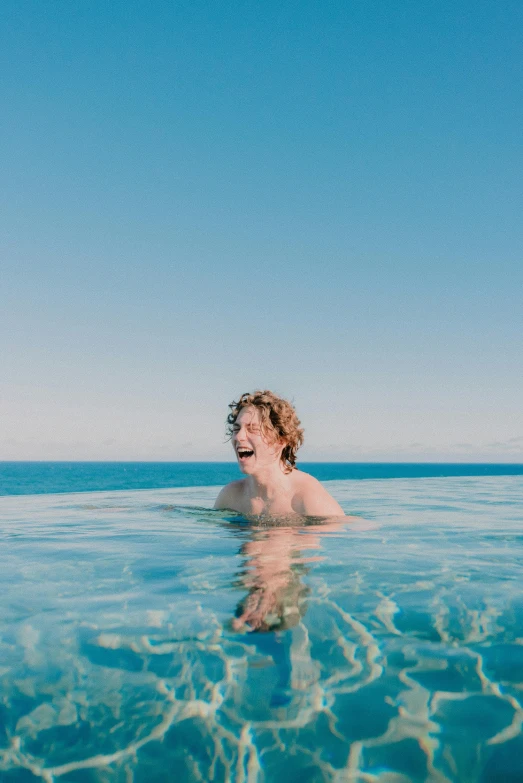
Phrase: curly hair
pixel 278 420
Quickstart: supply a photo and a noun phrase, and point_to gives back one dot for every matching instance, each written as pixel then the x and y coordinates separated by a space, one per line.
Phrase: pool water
pixel 146 638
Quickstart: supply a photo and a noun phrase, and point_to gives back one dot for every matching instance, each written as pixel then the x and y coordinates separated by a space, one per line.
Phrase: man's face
pixel 252 448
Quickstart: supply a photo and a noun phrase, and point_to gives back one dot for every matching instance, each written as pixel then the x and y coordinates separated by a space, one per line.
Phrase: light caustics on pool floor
pixel 391 652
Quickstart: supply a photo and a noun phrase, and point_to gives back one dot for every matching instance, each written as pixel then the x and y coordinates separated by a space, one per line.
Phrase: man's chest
pixel 283 504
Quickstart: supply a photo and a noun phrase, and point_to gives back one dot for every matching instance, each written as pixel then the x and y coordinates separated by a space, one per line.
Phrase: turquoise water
pixel 146 638
pixel 27 478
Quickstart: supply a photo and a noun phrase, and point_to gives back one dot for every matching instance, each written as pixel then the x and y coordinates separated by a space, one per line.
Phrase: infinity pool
pixel 146 638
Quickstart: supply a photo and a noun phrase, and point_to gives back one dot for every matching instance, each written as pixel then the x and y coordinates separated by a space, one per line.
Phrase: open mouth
pixel 244 454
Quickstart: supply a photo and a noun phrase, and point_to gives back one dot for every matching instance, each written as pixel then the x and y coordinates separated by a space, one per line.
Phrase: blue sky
pixel 202 198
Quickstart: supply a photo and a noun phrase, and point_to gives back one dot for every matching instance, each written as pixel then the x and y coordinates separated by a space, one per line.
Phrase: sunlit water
pixel 145 638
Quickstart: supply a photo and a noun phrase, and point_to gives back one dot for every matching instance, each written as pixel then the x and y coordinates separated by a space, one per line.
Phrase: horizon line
pixel 232 462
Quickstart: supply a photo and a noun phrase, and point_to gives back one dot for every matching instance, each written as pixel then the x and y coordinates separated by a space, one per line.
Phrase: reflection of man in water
pixel 277 558
pixel 275 562
pixel 266 434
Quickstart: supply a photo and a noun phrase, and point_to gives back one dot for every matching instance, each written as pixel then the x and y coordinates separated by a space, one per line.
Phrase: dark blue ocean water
pixel 28 478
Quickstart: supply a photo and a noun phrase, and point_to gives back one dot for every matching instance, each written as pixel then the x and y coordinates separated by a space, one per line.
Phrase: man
pixel 266 434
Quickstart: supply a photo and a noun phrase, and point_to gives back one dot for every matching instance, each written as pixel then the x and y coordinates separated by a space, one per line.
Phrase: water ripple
pixel 144 637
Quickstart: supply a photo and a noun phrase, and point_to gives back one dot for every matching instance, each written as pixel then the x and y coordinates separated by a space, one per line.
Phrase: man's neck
pixel 269 482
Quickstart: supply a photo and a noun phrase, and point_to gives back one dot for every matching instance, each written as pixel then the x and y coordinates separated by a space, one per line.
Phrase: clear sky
pixel 203 198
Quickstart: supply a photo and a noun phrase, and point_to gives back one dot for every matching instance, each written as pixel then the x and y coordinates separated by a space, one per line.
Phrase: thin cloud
pixel 510 444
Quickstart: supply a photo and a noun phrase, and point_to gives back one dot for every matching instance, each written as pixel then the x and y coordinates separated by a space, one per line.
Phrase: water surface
pixel 144 637
pixel 28 478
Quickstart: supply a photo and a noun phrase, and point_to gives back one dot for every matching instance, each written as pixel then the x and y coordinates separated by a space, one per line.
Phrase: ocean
pixel 28 478
pixel 145 637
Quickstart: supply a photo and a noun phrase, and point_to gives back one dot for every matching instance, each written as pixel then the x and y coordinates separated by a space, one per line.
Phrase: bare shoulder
pixel 313 498
pixel 230 495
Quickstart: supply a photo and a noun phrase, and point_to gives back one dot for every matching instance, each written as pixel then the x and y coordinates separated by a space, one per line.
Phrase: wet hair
pixel 278 420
